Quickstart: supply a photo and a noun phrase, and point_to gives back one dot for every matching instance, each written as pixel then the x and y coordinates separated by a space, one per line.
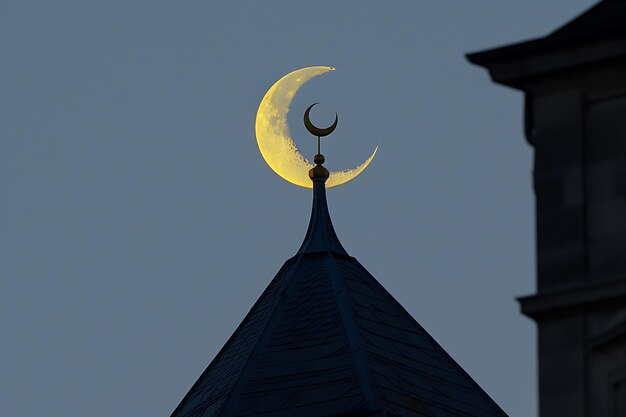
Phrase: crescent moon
pixel 314 130
pixel 274 138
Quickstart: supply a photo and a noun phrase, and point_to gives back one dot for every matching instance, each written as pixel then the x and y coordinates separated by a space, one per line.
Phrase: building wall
pixel 578 129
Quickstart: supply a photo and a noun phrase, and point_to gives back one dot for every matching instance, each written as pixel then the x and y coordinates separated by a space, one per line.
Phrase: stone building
pixel 574 81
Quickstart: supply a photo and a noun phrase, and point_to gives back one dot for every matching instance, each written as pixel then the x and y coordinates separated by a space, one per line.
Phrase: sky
pixel 140 223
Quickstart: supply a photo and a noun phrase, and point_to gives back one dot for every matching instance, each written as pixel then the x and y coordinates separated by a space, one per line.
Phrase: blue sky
pixel 140 221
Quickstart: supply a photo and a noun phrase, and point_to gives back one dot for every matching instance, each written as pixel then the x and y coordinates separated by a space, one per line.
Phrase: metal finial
pixel 314 130
pixel 318 171
pixel 319 132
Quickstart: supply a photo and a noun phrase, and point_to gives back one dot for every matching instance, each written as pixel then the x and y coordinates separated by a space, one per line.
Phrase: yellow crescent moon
pixel 274 137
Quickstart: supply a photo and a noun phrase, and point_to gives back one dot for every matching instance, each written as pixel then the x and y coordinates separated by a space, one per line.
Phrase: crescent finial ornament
pixel 317 131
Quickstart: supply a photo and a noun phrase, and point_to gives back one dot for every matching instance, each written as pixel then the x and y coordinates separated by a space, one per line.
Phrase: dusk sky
pixel 140 222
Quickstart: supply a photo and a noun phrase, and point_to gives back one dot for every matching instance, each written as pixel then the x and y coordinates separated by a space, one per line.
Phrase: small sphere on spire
pixel 319 172
pixel 319 159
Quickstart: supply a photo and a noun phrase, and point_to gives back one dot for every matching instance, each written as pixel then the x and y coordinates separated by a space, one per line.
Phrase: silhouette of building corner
pixel 574 81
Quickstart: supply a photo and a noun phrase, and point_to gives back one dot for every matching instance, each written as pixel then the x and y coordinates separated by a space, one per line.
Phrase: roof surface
pixel 606 19
pixel 325 339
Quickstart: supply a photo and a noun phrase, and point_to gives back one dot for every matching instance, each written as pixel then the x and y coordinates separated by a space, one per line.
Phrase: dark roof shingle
pixel 326 339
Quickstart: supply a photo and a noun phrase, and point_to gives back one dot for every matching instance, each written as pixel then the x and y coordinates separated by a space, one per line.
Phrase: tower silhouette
pixel 574 82
pixel 325 339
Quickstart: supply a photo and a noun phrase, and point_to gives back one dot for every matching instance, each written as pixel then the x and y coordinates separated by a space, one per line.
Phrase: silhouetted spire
pixel 320 236
pixel 326 339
